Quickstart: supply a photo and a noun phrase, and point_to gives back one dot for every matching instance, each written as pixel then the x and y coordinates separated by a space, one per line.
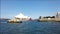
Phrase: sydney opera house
pixel 22 17
pixel 19 18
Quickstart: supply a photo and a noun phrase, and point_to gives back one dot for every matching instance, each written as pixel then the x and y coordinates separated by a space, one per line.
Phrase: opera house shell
pixel 22 17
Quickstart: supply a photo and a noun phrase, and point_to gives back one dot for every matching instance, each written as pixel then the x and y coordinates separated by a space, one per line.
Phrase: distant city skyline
pixel 32 8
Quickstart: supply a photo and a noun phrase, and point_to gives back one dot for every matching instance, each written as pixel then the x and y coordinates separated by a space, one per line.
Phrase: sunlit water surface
pixel 30 27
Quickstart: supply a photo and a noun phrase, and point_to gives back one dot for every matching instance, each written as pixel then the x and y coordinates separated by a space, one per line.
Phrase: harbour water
pixel 30 27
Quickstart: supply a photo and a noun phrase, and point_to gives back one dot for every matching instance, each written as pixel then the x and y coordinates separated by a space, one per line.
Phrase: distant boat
pixel 14 21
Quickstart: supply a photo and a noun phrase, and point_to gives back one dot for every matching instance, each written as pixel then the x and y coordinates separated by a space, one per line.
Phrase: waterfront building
pixel 58 15
pixel 22 17
pixel 19 18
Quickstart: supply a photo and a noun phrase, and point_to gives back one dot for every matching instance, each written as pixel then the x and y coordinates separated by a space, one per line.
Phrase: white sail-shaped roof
pixel 21 16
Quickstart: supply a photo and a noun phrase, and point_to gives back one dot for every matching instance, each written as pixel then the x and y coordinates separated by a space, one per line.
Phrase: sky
pixel 32 8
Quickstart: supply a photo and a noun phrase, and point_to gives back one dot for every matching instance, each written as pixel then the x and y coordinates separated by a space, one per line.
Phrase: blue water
pixel 30 27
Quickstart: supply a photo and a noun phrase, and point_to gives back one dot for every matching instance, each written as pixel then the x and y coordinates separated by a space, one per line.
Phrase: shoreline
pixel 49 20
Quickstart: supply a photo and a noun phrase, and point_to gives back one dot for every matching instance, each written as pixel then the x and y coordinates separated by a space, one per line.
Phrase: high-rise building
pixel 58 15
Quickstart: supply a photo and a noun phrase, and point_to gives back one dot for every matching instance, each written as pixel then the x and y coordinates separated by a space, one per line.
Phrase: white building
pixel 22 17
